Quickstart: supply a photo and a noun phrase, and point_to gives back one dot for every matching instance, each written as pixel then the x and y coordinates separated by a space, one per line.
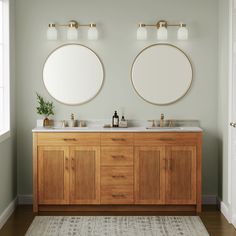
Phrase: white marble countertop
pixel 129 129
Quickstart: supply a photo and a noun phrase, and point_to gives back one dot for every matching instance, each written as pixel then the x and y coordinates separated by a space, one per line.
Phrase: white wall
pixel 117 22
pixel 223 96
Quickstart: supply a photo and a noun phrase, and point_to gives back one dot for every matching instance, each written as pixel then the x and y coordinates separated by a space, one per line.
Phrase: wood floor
pixel 21 219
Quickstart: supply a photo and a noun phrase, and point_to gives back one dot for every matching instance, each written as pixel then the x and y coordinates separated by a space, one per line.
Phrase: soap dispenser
pixel 123 123
pixel 115 120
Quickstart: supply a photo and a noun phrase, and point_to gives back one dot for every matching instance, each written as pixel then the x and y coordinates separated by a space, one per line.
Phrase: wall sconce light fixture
pixel 162 32
pixel 72 30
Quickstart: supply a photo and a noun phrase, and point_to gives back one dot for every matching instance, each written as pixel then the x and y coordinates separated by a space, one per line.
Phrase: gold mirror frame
pixel 153 45
pixel 103 77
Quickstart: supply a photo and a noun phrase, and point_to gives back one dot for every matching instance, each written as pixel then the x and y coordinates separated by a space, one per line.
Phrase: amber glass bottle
pixel 115 120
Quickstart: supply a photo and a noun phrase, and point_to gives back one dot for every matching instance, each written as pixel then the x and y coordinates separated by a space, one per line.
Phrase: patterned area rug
pixel 117 226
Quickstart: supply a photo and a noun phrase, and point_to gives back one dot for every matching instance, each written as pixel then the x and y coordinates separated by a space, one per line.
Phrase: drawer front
pixel 117 156
pixel 117 195
pixel 116 139
pixel 117 176
pixel 91 139
pixel 143 139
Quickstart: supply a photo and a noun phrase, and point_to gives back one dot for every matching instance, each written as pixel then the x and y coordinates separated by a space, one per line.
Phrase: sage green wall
pixel 8 188
pixel 223 97
pixel 117 23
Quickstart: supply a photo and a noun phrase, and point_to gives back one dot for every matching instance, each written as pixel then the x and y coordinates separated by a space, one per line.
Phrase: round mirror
pixel 161 74
pixel 73 74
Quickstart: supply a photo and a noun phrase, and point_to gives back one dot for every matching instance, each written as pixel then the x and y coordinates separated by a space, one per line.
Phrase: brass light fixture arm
pixel 74 23
pixel 162 23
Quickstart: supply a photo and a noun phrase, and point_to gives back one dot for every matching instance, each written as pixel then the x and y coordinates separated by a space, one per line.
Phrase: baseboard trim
pixel 25 199
pixel 7 212
pixel 225 211
pixel 234 220
pixel 206 200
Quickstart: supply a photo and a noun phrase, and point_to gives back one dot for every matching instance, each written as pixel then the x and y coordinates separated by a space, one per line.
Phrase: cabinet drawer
pixel 92 139
pixel 116 139
pixel 117 176
pixel 117 156
pixel 117 194
pixel 143 139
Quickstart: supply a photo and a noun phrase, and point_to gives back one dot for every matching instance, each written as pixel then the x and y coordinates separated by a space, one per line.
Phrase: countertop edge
pixel 118 130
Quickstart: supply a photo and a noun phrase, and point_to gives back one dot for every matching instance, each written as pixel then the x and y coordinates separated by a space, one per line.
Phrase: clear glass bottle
pixel 123 123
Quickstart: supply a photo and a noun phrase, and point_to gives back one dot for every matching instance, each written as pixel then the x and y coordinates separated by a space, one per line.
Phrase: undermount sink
pixel 165 128
pixel 70 128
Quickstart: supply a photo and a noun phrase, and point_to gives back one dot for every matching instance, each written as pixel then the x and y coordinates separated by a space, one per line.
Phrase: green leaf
pixel 44 107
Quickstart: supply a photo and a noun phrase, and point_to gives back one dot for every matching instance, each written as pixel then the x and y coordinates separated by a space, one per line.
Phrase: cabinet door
pixel 181 175
pixel 150 175
pixel 85 175
pixel 53 175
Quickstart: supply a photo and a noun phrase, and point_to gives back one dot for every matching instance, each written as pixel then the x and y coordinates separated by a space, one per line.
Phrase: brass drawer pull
pixel 118 139
pixel 119 195
pixel 72 163
pixel 117 156
pixel 168 164
pixel 166 139
pixel 118 176
pixel 67 163
pixel 69 139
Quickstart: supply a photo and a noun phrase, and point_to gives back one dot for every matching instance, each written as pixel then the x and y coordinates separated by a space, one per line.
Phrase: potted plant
pixel 45 108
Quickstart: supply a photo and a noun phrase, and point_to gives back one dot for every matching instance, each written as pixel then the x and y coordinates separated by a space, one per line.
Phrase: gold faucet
pixel 72 120
pixel 162 122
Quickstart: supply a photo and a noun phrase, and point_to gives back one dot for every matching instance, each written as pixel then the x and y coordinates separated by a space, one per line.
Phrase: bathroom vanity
pixel 130 169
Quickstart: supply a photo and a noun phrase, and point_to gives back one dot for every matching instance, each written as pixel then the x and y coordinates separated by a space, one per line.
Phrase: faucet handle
pixel 63 123
pixel 153 123
pixel 170 123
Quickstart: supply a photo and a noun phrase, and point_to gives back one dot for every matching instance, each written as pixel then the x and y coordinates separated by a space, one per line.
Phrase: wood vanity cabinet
pixel 105 171
pixel 117 175
pixel 165 175
pixel 174 161
pixel 66 169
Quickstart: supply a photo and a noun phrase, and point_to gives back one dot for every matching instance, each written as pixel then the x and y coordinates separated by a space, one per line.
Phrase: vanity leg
pixel 199 174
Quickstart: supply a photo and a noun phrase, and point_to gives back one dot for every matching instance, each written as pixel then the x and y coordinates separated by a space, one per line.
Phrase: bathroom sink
pixel 165 128
pixel 70 128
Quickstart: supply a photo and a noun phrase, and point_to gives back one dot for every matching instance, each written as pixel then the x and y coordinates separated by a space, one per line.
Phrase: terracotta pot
pixel 46 122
